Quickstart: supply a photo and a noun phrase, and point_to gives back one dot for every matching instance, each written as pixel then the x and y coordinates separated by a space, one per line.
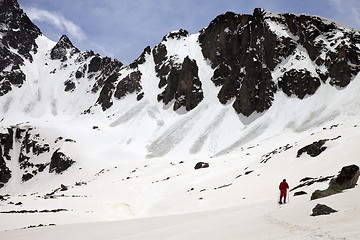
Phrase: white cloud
pixel 57 20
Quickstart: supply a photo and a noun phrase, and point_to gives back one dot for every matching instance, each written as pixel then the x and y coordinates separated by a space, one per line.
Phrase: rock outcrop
pixel 181 80
pixel 314 149
pixel 60 162
pixel 245 49
pixel 19 33
pixel 6 144
pixel 347 179
pixel 322 209
pixel 62 48
pixel 183 85
pixel 201 165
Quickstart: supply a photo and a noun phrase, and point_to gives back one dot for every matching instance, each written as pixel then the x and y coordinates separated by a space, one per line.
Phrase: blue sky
pixel 123 28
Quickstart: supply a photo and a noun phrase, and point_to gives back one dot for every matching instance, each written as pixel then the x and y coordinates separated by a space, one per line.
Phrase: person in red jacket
pixel 283 187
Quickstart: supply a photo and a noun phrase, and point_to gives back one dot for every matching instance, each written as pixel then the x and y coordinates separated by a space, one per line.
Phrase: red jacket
pixel 283 186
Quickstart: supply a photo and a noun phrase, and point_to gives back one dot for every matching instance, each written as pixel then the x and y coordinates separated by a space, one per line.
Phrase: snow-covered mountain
pixel 242 97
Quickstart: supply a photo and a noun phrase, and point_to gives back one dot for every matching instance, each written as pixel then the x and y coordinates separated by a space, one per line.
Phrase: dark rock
pixel 314 149
pixel 300 193
pixel 222 186
pixel 105 96
pixel 63 187
pixel 309 181
pixel 79 74
pixel 129 84
pixel 69 86
pixel 306 179
pixel 141 59
pixel 163 63
pixel 6 143
pixel 27 177
pixel 5 173
pixel 347 179
pixel 184 86
pixel 159 55
pixel 17 30
pixel 62 48
pixel 41 167
pixel 243 49
pixel 176 35
pixel 201 165
pixel 103 69
pixel 95 64
pixel 305 83
pixel 30 146
pixel 321 209
pixel 60 162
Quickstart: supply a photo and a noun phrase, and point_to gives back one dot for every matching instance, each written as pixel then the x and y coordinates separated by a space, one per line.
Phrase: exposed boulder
pixel 63 187
pixel 60 162
pixel 347 179
pixel 26 177
pixel 314 149
pixel 69 86
pixel 322 209
pixel 201 165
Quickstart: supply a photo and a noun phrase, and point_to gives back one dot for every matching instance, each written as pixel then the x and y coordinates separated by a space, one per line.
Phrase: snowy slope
pixel 179 202
pixel 132 174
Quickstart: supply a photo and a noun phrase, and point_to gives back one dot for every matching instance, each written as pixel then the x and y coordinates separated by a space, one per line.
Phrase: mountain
pixel 242 99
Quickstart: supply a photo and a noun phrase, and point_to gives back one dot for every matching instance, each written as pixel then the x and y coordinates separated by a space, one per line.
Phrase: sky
pixel 121 29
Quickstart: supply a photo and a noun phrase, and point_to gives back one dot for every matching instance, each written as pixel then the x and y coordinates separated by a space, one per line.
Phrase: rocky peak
pixel 176 35
pixel 62 47
pixel 141 58
pixel 19 33
pixel 17 30
pixel 245 49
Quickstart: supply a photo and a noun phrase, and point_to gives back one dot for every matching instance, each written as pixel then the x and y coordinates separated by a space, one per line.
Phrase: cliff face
pixel 245 51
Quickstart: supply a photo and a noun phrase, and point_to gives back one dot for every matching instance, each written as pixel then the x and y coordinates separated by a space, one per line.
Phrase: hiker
pixel 283 187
